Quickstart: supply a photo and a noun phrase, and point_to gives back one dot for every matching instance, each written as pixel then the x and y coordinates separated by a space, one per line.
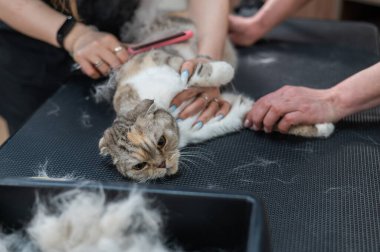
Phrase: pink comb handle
pixel 185 35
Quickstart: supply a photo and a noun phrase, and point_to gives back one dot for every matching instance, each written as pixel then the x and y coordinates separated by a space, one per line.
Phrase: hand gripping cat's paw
pixel 322 130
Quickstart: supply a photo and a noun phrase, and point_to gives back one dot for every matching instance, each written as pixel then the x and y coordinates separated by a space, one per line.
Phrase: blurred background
pixel 352 10
pixel 357 10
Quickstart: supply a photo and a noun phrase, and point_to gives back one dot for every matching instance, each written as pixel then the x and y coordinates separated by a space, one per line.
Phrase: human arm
pixel 292 105
pixel 36 19
pixel 245 31
pixel 210 18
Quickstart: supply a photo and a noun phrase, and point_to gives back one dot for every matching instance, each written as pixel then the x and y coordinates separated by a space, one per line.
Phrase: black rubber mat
pixel 320 195
pixel 355 35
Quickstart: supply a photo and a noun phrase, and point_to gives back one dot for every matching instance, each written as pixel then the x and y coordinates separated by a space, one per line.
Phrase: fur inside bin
pixel 79 221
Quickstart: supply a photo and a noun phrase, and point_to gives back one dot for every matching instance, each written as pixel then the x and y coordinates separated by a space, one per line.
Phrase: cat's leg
pixel 212 74
pixel 318 130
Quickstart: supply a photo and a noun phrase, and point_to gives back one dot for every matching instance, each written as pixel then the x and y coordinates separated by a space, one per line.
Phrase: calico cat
pixel 145 139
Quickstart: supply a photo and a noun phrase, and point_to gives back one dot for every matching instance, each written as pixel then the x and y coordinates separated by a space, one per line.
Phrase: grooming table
pixel 319 194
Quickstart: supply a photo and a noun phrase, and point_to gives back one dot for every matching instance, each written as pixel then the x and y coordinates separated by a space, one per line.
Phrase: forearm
pixel 359 92
pixel 33 18
pixel 210 18
pixel 274 12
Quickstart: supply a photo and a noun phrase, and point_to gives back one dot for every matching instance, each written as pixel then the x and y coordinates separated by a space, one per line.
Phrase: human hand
pixel 244 31
pixel 290 106
pixel 96 52
pixel 206 100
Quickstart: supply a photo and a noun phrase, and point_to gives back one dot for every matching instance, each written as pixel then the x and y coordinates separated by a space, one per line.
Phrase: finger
pixel 193 108
pixel 240 39
pixel 258 112
pixel 184 96
pixel 224 109
pixel 232 20
pixel 235 38
pixel 289 120
pixel 120 52
pixel 187 70
pixel 109 57
pixel 101 66
pixel 248 121
pixel 207 114
pixel 88 69
pixel 270 119
pixel 112 47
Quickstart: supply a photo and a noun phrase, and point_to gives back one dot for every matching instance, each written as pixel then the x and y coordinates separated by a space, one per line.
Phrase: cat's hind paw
pixel 322 130
pixel 325 129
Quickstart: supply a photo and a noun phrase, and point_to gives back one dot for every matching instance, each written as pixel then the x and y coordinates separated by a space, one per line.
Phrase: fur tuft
pixel 105 92
pixel 81 221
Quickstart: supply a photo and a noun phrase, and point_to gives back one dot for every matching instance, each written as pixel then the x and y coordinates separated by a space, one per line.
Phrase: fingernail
pixel 172 108
pixel 254 127
pixel 266 130
pixel 219 117
pixel 198 126
pixel 179 120
pixel 247 124
pixel 185 76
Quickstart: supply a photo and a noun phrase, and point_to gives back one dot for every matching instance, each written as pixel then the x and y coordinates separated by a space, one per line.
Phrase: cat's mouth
pixel 162 165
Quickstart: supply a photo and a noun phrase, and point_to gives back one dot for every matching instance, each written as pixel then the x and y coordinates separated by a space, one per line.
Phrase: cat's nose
pixel 162 165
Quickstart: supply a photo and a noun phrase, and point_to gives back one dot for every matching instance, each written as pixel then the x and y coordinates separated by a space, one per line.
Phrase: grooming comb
pixel 169 40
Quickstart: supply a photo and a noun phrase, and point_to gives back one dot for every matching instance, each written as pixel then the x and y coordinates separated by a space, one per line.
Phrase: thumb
pixel 238 40
pixel 234 23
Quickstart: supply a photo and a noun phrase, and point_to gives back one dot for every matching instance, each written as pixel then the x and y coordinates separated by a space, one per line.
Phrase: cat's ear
pixel 144 107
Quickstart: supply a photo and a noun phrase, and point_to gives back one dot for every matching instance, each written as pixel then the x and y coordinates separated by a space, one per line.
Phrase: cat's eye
pixel 161 142
pixel 139 166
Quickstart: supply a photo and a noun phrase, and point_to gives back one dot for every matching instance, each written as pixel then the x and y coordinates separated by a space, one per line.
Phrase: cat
pixel 145 139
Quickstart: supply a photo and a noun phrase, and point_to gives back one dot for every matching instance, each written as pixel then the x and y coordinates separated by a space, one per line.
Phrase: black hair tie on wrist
pixel 65 29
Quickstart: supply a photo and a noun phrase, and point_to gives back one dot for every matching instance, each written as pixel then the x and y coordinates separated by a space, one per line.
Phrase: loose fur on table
pixel 144 140
pixel 83 221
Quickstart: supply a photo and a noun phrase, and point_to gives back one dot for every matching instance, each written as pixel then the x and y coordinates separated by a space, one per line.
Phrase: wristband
pixel 65 29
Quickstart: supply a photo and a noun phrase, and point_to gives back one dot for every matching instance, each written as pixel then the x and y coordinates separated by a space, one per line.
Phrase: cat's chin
pixel 144 176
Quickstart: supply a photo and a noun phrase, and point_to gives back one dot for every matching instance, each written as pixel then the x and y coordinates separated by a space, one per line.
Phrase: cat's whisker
pixel 191 161
pixel 184 165
pixel 204 150
pixel 198 156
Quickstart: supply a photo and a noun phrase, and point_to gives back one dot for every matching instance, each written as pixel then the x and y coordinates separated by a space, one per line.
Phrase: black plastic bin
pixel 195 220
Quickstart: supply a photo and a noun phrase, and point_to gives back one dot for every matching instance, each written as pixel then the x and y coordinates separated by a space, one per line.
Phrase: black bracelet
pixel 65 29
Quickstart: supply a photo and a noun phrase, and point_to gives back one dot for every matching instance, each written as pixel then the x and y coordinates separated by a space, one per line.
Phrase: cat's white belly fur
pixel 160 84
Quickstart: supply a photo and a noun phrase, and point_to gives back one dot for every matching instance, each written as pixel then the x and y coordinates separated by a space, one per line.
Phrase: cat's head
pixel 143 144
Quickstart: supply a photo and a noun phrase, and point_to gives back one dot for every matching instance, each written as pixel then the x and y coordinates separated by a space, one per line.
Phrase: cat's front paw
pixel 212 74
